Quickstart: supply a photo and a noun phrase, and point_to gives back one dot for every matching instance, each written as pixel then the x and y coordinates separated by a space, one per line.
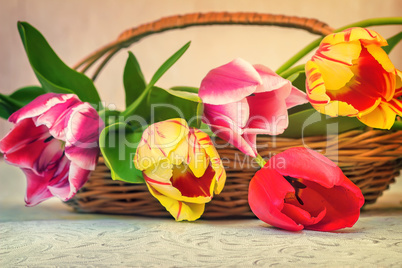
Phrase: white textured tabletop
pixel 51 235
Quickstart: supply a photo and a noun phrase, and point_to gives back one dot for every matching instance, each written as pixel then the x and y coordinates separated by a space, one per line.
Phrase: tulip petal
pixel 158 140
pixel 248 146
pixel 383 116
pixel 268 112
pixel 336 108
pixel 73 180
pixel 17 137
pixel 301 216
pixel 40 105
pixel 267 191
pixel 191 186
pixel 229 83
pixel 342 210
pixel 82 133
pixel 178 155
pixel 232 115
pixel 161 172
pixel 197 159
pixel 315 85
pixel 272 81
pixel 395 105
pixel 44 150
pixel 41 187
pixel 363 35
pixel 310 165
pixel 398 84
pixel 205 142
pixel 161 178
pixel 334 63
pixel 37 190
pixel 57 117
pixel 178 209
pixel 296 97
pixel 375 73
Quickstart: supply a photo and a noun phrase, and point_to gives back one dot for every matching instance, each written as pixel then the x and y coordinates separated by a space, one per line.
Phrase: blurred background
pixel 75 28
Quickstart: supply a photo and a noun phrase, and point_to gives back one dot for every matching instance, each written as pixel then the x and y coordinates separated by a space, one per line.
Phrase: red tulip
pixel 302 189
pixel 55 143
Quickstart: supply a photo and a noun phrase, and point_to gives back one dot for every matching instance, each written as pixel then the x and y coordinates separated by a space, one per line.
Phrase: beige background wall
pixel 75 28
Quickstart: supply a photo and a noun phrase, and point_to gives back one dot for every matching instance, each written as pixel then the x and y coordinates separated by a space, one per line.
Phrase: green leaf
pixel 133 79
pixel 163 105
pixel 184 95
pixel 200 111
pixel 14 104
pixel 6 110
pixel 312 123
pixel 298 80
pixel 51 71
pixel 158 74
pixel 109 116
pixel 168 63
pixel 118 144
pixel 397 125
pixel 18 99
pixel 392 42
pixel 187 89
pixel 27 94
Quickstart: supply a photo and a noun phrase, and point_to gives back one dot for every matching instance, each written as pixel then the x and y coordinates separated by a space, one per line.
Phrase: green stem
pixel 315 43
pixel 286 74
pixel 373 22
pixel 298 56
pixel 11 101
pixel 260 161
pixel 133 106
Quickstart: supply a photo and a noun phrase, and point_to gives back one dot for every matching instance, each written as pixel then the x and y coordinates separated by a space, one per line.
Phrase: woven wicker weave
pixel 371 159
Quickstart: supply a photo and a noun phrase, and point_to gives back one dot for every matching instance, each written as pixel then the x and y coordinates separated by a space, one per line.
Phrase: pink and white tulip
pixel 55 142
pixel 242 100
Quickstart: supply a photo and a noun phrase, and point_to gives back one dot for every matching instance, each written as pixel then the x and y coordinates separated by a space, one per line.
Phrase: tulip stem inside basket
pixel 260 161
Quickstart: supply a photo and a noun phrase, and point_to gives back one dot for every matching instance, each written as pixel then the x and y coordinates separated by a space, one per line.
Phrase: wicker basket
pixel 371 159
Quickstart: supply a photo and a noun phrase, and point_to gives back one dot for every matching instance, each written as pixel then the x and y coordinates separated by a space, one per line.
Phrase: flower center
pixel 188 184
pixel 297 185
pixel 48 139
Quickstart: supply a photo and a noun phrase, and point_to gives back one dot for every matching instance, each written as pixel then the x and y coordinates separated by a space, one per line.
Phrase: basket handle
pixel 135 34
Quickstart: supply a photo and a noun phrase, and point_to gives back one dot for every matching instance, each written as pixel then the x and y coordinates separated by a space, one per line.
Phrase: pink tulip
pixel 55 142
pixel 302 189
pixel 242 100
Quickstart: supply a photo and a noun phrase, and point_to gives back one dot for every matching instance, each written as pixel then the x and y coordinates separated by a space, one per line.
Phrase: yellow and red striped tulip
pixel 351 75
pixel 181 167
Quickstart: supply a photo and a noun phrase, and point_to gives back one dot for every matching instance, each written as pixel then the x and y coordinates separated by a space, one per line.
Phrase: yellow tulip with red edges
pixel 351 75
pixel 181 167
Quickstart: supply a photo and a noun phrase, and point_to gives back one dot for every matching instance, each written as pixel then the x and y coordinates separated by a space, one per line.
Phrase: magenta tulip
pixel 55 142
pixel 302 189
pixel 242 100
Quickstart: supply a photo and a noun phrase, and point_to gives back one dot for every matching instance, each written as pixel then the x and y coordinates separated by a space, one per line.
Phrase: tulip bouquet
pixel 61 127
